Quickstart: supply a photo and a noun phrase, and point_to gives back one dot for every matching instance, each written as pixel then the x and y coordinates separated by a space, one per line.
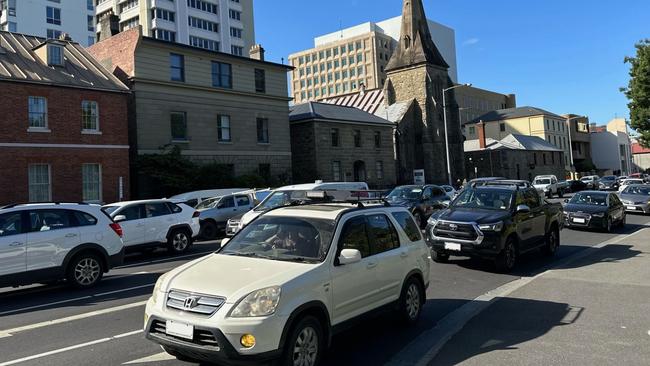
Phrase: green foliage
pixel 638 91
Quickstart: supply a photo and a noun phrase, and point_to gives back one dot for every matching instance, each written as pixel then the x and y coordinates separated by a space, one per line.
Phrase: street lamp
pixel 444 112
pixel 571 142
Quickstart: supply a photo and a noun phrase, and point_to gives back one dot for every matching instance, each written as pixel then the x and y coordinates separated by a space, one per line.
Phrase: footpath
pixel 592 311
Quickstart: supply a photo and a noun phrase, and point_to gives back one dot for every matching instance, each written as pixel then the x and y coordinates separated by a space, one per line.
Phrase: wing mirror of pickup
pixel 523 209
pixel 349 256
pixel 566 200
pixel 119 218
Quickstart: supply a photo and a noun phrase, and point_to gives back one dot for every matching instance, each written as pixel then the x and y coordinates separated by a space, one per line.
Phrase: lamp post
pixel 444 112
pixel 571 142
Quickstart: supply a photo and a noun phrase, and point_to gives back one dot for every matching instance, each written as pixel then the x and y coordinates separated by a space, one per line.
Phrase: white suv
pixel 49 241
pixel 152 223
pixel 288 281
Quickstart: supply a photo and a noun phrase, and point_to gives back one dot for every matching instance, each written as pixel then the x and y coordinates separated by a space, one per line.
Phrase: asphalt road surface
pixel 55 325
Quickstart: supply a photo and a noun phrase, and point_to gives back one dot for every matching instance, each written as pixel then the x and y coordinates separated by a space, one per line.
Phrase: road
pixel 55 325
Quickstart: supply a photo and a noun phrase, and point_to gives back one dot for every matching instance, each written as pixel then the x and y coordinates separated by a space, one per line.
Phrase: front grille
pixel 452 230
pixel 201 337
pixel 232 227
pixel 193 303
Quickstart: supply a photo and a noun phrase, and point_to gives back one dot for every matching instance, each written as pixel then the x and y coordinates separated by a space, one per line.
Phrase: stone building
pixel 216 107
pixel 334 143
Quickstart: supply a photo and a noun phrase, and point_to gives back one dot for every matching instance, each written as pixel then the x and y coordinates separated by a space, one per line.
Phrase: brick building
pixel 64 133
pixel 335 143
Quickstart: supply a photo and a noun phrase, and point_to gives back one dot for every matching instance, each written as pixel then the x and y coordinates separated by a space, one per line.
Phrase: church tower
pixel 417 74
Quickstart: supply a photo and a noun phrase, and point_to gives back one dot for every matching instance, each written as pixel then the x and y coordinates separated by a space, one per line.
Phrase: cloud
pixel 471 42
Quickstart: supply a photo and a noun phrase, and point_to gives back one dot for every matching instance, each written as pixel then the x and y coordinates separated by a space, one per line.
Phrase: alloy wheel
pixel 511 256
pixel 305 350
pixel 413 301
pixel 87 271
pixel 552 242
pixel 180 241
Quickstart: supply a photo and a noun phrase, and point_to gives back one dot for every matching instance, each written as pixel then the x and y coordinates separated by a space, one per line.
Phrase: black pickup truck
pixel 495 222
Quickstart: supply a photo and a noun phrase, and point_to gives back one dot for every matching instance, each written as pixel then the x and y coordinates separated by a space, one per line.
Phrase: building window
pixel 163 14
pixel 264 170
pixel 37 112
pixel 502 127
pixel 203 24
pixel 203 5
pixel 12 27
pixel 262 130
pixel 131 23
pixel 357 138
pixel 91 175
pixel 334 132
pixel 10 5
pixel 223 128
pixel 91 40
pixel 377 139
pixel 336 171
pixel 207 44
pixel 234 14
pixel 379 169
pixel 472 131
pixel 91 23
pixel 235 32
pixel 179 126
pixel 54 55
pixel 237 50
pixel 89 116
pixel 177 67
pixel 40 189
pixel 129 4
pixel 165 35
pixel 221 75
pixel 53 15
pixel 90 5
pixel 260 81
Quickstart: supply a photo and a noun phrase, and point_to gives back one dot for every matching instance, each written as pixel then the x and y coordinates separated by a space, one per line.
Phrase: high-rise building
pixel 215 25
pixel 348 60
pixel 50 19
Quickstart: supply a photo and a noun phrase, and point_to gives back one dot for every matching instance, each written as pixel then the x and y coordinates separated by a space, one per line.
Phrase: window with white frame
pixel 89 116
pixel 223 128
pixel 204 43
pixel 91 175
pixel 53 15
pixel 234 14
pixel 40 189
pixel 37 112
pixel 54 55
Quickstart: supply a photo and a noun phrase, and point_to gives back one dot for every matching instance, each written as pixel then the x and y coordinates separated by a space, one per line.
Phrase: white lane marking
pixel 75 299
pixel 431 341
pixel 66 349
pixel 10 332
pixel 164 356
pixel 164 260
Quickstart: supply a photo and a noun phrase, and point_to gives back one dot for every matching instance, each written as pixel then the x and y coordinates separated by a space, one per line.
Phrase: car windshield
pixel 279 198
pixel 407 192
pixel 490 199
pixel 283 238
pixel 209 203
pixel 638 190
pixel 542 181
pixel 590 199
pixel 110 209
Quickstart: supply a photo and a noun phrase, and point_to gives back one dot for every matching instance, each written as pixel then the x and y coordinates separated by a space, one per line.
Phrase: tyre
pixel 507 259
pixel 608 225
pixel 439 257
pixel 623 221
pixel 179 241
pixel 85 270
pixel 411 301
pixel 552 242
pixel 305 345
pixel 209 231
pixel 418 219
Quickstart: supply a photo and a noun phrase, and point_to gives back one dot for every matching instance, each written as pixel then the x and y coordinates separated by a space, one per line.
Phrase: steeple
pixel 415 44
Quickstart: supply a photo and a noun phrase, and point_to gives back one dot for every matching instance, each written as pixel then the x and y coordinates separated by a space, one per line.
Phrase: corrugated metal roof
pixel 313 110
pixel 512 142
pixel 511 113
pixel 19 62
pixel 368 101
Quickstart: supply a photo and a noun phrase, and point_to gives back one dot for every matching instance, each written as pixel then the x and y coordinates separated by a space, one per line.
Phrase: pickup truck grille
pixel 452 230
pixel 200 304
pixel 232 227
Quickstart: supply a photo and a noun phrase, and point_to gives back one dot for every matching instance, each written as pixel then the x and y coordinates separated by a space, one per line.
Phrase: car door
pixel 13 240
pixel 53 234
pixel 389 258
pixel 353 285
pixel 616 208
pixel 133 227
pixel 159 219
pixel 427 201
pixel 243 203
pixel 523 220
pixel 537 216
pixel 438 196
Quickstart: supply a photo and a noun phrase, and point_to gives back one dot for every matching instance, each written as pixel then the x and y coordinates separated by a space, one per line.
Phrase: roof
pixel 125 203
pixel 19 62
pixel 638 149
pixel 512 113
pixel 512 142
pixel 328 211
pixel 368 101
pixel 315 110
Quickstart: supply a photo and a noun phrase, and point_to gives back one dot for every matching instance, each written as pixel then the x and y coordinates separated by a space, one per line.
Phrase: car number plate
pixel 452 246
pixel 579 221
pixel 631 208
pixel 179 330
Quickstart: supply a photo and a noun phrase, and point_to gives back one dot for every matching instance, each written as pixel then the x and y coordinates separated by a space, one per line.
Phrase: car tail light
pixel 196 214
pixel 117 228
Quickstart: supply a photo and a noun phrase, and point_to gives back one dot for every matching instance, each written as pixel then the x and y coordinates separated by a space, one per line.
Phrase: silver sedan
pixel 636 198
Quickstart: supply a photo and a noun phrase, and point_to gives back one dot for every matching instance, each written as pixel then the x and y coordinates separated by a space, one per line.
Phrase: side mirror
pixel 349 256
pixel 445 204
pixel 523 209
pixel 119 218
pixel 224 241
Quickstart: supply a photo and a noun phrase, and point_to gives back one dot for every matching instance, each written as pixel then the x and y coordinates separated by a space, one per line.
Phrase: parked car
pixel 421 201
pixel 621 178
pixel 594 210
pixel 192 199
pixel 636 198
pixel 608 183
pixel 451 191
pixel 548 185
pixel 498 223
pixel 265 296
pixel 576 186
pixel 591 181
pixel 286 195
pixel 626 182
pixel 155 223
pixel 215 213
pixel 52 241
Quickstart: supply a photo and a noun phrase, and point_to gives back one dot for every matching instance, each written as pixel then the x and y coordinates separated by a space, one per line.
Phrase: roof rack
pixel 518 184
pixel 43 203
pixel 358 197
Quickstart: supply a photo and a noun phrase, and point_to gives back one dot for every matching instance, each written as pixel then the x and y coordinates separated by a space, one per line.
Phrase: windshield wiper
pixel 249 255
pixel 298 259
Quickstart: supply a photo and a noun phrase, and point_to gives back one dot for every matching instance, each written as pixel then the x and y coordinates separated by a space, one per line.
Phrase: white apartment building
pixel 216 25
pixel 50 18
pixel 611 149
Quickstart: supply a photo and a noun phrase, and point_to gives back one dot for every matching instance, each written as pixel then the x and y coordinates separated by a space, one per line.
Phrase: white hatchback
pixel 288 281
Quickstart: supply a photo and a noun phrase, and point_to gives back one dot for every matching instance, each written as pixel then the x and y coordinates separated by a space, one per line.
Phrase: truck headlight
pixel 433 222
pixel 498 226
pixel 262 302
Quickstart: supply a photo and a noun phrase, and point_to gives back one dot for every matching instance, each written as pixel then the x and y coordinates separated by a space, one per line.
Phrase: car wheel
pixel 439 257
pixel 411 301
pixel 209 230
pixel 179 241
pixel 623 221
pixel 507 259
pixel 305 344
pixel 418 219
pixel 85 270
pixel 552 242
pixel 608 225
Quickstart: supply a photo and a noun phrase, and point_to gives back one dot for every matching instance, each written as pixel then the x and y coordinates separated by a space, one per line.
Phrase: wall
pixel 642 161
pixel 605 151
pixel 476 102
pixel 513 164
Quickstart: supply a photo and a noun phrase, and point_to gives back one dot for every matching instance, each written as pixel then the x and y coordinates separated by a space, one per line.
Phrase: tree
pixel 638 91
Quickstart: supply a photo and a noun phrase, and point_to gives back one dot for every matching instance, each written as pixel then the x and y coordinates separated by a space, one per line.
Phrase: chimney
pixel 108 25
pixel 257 52
pixel 65 37
pixel 481 135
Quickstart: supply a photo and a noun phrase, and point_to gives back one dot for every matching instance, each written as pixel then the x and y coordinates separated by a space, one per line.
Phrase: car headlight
pixel 601 214
pixel 565 213
pixel 262 302
pixel 157 288
pixel 432 221
pixel 497 226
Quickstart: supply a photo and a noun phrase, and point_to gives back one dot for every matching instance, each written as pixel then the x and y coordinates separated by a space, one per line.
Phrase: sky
pixel 565 56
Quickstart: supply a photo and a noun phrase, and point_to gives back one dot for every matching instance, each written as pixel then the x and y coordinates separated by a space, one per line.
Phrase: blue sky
pixel 562 55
